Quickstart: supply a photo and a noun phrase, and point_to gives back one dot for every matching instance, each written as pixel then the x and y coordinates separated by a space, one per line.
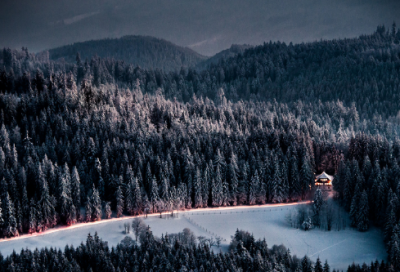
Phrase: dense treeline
pixel 159 254
pixel 146 52
pixel 105 148
pixel 363 70
pixel 368 185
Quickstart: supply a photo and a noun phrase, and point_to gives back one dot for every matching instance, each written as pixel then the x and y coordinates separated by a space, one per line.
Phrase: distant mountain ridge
pixel 144 51
pixel 234 50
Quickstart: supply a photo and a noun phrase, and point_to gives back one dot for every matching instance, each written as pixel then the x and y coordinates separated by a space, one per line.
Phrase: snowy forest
pixel 97 138
pixel 165 254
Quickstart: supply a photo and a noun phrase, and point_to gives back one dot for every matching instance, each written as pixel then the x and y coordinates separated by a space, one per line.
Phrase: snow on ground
pixel 340 248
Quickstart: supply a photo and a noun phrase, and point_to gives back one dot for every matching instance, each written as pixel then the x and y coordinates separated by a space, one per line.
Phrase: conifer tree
pixel 294 179
pixel 137 197
pixel 98 177
pixel 326 267
pixel 76 190
pixel 197 182
pixel 10 222
pixel 363 213
pixel 317 204
pixel 164 190
pixel 243 185
pixel 354 209
pixel 67 209
pixel 278 190
pixel 154 197
pixel 234 183
pixel 253 188
pixel 214 193
pixel 88 210
pixel 32 218
pixel 225 193
pixel 390 223
pixel 119 199
pixel 218 188
pixel 318 266
pixel 107 210
pixel 95 202
pixel 129 201
pixel 47 210
pixel 205 186
pixel 306 176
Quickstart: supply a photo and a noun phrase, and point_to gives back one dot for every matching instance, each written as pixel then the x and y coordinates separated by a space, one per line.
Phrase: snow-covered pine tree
pixel 254 188
pixel 294 179
pixel 164 189
pixel 326 267
pixel 32 218
pixel 137 197
pixel 243 190
pixel 278 191
pixel 306 176
pixel 394 248
pixel 205 187
pixel 218 188
pixel 363 213
pixel 219 160
pixel 317 206
pixel 197 187
pixel 148 178
pixel 76 190
pixel 225 193
pixel 129 198
pixel 318 266
pixel 48 218
pixel 96 205
pixel 214 193
pixel 154 197
pixel 391 221
pixel 119 200
pixel 354 208
pixel 88 210
pixel 98 177
pixel 233 178
pixel 347 189
pixel 66 208
pixel 107 210
pixel 10 221
pixel 338 181
pixel 283 161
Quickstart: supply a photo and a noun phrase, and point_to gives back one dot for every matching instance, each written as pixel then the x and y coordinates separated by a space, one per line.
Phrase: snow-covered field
pixel 340 248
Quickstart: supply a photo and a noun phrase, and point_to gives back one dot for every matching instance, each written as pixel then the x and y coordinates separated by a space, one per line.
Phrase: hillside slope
pixel 232 51
pixel 146 52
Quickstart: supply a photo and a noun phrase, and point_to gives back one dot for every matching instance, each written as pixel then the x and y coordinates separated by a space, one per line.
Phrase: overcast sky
pixel 205 26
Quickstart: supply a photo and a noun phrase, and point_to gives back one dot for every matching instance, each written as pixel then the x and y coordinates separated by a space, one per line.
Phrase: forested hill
pixel 363 71
pixel 232 51
pixel 144 51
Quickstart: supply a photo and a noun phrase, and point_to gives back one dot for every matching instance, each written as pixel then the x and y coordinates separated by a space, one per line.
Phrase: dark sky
pixel 205 26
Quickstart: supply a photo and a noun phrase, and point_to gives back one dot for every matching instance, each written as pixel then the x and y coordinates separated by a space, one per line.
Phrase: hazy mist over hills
pixel 204 26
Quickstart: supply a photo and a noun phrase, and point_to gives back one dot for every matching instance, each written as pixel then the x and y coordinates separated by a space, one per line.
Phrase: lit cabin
pixel 324 181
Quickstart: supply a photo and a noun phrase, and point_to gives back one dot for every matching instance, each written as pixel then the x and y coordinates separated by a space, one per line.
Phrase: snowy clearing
pixel 340 248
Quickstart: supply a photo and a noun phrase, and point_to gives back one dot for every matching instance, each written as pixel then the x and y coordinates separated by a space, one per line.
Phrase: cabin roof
pixel 324 176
